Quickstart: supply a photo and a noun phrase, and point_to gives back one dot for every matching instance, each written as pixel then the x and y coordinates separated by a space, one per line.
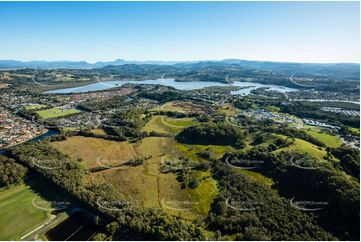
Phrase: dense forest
pixel 211 133
pixel 11 173
pixel 323 182
pixel 255 212
pixel 349 160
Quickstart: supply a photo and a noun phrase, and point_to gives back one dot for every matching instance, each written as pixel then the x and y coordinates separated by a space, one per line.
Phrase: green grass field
pixel 178 122
pixel 155 124
pixel 55 112
pixel 18 215
pixel 355 131
pixel 191 151
pixel 163 124
pixel 204 193
pixel 34 107
pixel 305 148
pixel 257 176
pixel 327 139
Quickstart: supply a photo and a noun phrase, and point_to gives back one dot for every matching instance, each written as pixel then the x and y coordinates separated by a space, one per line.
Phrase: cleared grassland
pixel 155 124
pixel 131 184
pixel 10 76
pixel 355 131
pixel 167 187
pixel 184 107
pixel 191 151
pixel 229 110
pixel 257 176
pixel 204 193
pixel 216 152
pixel 166 125
pixel 306 148
pixel 178 122
pixel 311 127
pixel 91 150
pixel 170 107
pixel 98 131
pixel 143 185
pixel 4 85
pixel 327 139
pixel 55 112
pixel 18 215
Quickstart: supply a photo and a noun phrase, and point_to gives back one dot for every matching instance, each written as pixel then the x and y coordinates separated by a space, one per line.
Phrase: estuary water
pixel 247 87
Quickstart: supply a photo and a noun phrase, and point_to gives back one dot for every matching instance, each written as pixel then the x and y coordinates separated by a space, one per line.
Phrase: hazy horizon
pixel 178 61
pixel 303 32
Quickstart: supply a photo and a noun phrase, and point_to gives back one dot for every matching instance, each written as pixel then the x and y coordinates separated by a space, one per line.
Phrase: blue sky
pixel 102 31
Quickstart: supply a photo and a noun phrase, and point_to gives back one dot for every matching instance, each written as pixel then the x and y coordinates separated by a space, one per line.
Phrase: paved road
pixel 36 233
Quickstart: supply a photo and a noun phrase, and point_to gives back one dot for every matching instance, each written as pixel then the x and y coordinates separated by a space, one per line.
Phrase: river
pixel 247 87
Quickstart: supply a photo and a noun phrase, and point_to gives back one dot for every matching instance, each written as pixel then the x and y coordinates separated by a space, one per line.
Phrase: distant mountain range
pixel 13 64
pixel 352 70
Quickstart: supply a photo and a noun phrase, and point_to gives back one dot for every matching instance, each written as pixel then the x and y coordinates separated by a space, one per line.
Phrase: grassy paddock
pixel 178 122
pixel 167 125
pixel 34 107
pixel 327 139
pixel 306 148
pixel 143 185
pixel 184 107
pixel 55 112
pixel 89 149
